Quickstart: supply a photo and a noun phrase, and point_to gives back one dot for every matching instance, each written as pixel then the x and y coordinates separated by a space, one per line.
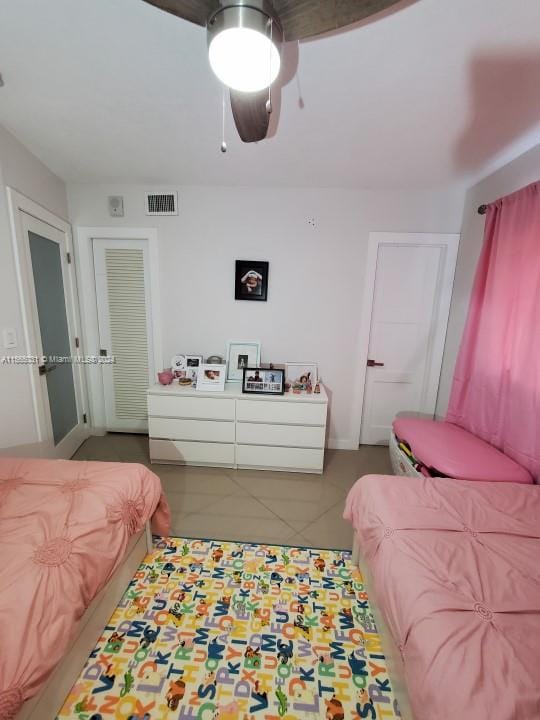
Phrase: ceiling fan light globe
pixel 244 59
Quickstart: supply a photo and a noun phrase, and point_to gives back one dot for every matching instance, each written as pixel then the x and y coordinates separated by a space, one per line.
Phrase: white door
pixel 412 285
pixel 52 317
pixel 125 330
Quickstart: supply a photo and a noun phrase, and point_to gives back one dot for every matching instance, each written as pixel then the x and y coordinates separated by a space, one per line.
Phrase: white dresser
pixel 230 429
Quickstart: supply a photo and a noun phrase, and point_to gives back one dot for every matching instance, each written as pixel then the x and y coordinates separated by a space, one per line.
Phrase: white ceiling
pixel 429 95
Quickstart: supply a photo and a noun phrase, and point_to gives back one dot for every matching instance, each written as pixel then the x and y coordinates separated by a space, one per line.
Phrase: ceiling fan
pixel 245 38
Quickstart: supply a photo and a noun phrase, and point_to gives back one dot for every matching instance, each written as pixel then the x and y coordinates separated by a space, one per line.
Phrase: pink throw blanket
pixel 64 529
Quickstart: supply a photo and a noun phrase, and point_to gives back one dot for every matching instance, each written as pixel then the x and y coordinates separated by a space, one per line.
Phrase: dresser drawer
pixel 173 406
pixel 179 429
pixel 300 436
pixel 279 458
pixel 286 412
pixel 183 452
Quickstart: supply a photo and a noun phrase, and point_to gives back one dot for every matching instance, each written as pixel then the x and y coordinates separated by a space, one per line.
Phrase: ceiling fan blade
pixel 306 18
pixel 250 115
pixel 196 11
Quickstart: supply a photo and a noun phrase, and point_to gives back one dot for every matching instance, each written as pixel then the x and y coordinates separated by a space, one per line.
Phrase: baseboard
pixel 97 431
pixel 342 444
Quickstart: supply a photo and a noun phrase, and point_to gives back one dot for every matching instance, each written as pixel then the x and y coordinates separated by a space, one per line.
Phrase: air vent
pixel 162 203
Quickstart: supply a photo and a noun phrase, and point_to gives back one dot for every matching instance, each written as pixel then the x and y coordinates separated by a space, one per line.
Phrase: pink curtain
pixel 496 386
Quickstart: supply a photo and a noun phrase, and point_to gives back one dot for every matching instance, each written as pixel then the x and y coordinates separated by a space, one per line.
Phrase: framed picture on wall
pixel 251 280
pixel 242 354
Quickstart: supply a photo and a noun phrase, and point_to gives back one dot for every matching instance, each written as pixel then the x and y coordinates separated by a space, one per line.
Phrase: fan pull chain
pixel 223 143
pixel 269 101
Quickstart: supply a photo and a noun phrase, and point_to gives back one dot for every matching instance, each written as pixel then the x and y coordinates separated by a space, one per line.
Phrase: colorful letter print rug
pixel 210 629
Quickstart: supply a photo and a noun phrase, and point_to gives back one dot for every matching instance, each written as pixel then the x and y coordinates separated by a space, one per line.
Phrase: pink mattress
pixel 457 453
pixel 64 529
pixel 456 571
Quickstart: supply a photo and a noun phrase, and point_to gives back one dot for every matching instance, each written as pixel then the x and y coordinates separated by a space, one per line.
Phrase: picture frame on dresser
pixel 301 372
pixel 242 354
pixel 211 377
pixel 263 381
pixel 186 366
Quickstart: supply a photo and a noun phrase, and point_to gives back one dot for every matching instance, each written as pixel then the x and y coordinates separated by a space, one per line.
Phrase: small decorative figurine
pixel 317 387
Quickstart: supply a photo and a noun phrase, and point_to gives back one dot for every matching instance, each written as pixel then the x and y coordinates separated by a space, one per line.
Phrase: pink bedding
pixel 456 569
pixel 64 529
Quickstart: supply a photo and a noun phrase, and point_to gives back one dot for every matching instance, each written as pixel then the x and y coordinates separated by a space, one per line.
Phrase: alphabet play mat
pixel 209 629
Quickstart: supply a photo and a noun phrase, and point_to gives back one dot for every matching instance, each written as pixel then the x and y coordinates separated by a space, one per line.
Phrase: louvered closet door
pixel 124 316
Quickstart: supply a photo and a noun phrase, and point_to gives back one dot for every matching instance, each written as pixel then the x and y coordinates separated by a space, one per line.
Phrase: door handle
pixel 45 369
pixel 372 363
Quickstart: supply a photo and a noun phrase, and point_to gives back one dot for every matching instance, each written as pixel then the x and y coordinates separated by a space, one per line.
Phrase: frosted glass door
pixel 53 327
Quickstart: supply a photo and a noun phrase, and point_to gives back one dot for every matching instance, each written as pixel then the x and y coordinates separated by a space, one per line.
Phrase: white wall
pixel 520 172
pixel 22 171
pixel 316 271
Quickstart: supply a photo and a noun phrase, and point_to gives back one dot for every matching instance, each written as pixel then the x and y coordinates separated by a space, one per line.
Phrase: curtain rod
pixel 482 210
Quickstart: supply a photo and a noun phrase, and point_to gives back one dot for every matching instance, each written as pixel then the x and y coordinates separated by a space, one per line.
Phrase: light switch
pixel 9 336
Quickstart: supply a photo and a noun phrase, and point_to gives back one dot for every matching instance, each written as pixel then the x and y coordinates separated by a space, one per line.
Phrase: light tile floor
pixel 252 505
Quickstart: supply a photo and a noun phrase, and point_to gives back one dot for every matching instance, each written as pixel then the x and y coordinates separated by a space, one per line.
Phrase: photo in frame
pixel 185 368
pixel 251 280
pixel 193 361
pixel 301 373
pixel 178 364
pixel 263 381
pixel 211 378
pixel 240 355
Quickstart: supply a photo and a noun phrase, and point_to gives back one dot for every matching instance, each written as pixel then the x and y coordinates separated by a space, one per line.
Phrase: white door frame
pixel 450 243
pixel 86 277
pixel 18 204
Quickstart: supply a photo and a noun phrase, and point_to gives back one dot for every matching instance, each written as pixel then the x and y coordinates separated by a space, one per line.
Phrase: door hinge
pixel 68 258
pixel 84 418
pixel 77 343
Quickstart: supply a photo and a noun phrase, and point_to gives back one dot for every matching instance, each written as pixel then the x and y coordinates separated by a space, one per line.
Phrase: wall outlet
pixel 9 337
pixel 116 205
